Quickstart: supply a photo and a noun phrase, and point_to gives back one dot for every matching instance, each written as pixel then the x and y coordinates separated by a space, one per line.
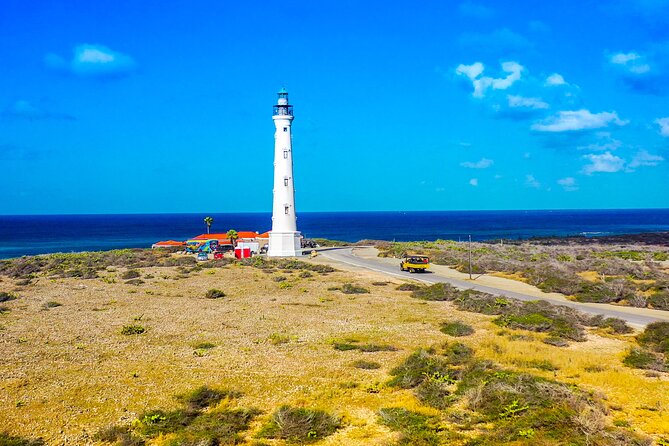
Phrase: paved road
pixel 639 317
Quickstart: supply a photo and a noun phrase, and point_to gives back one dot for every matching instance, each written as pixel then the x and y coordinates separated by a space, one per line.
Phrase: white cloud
pixel 644 159
pixel 530 181
pixel 605 162
pixel 632 62
pixel 583 119
pixel 568 184
pixel 93 61
pixel 624 58
pixel 554 80
pixel 471 71
pixel 664 126
pixel 481 84
pixel 524 102
pixel 483 163
pixel 474 182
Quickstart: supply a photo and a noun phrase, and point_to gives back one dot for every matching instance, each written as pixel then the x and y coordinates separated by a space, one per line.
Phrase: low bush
pixel 420 366
pixel 639 358
pixel 10 440
pixel 366 348
pixel 131 274
pixel 134 329
pixel 279 338
pixel 408 287
pixel 204 346
pixel 300 425
pixel 199 423
pixel 456 329
pixel 365 365
pixel 135 282
pixel 6 297
pixel 457 353
pixel 349 288
pixel 4 309
pixel 438 292
pixel 214 294
pixel 51 304
pixel 655 337
pixel 415 429
pixel 205 396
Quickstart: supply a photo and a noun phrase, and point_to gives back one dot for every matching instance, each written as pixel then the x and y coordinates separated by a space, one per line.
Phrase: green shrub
pixel 660 256
pixel 435 393
pixel 10 440
pixel 456 329
pixel 643 359
pixel 218 427
pixel 416 429
pixel 136 282
pixel 51 304
pixel 597 293
pixel 4 309
pixel 370 348
pixel 438 292
pixel 349 288
pixel 6 297
pixel 214 294
pixel 344 346
pixel 131 274
pixel 555 341
pixel 300 425
pixel 532 321
pixel 129 330
pixel 408 287
pixel 279 338
pixel 616 325
pixel 655 337
pixel 366 365
pixel 305 275
pixel 457 353
pixel 204 346
pixel 418 367
pixel 119 435
pixel 205 396
pixel 659 300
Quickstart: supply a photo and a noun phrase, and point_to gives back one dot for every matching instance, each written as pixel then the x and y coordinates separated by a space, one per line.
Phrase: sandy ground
pixel 67 372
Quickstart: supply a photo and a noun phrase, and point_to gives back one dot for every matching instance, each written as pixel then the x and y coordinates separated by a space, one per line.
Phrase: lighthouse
pixel 284 238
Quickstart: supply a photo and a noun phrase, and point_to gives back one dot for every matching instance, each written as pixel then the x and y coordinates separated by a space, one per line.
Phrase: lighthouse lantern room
pixel 284 238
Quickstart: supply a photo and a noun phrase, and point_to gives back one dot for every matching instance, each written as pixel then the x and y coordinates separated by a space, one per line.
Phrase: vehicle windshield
pixel 418 259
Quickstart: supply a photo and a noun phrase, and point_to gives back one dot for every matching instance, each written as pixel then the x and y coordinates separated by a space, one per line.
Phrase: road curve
pixel 639 317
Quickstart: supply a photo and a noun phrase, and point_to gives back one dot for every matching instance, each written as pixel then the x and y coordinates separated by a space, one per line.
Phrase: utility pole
pixel 470 257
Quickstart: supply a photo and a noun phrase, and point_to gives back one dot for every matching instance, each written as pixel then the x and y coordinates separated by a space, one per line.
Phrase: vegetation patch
pixel 279 338
pixel 131 274
pixel 456 329
pixel 205 396
pixel 408 287
pixel 51 304
pixel 655 337
pixel 415 428
pixel 349 288
pixel 6 297
pixel 10 440
pixel 135 282
pixel 133 329
pixel 198 423
pixel 365 365
pixel 352 344
pixel 214 294
pixel 653 353
pixel 300 425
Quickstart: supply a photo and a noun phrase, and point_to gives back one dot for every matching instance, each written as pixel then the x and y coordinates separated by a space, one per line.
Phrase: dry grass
pixel 74 368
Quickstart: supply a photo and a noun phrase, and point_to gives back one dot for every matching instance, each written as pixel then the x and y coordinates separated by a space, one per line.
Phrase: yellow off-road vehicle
pixel 415 263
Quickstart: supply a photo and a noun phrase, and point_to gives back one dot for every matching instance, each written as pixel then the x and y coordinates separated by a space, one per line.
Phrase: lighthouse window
pixel 285 181
pixel 285 154
pixel 285 208
pixel 285 129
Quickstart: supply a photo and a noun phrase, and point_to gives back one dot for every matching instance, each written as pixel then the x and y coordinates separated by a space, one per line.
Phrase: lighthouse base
pixel 285 244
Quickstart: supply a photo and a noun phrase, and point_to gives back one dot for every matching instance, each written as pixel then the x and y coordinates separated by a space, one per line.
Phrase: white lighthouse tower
pixel 284 239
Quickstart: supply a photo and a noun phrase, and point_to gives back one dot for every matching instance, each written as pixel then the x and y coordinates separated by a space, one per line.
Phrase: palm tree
pixel 208 221
pixel 233 236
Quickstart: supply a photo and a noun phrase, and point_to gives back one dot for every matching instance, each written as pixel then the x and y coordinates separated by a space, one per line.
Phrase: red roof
pixel 169 243
pixel 220 237
pixel 264 235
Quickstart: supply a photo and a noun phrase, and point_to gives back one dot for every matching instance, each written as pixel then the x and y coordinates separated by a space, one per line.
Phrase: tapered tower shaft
pixel 284 239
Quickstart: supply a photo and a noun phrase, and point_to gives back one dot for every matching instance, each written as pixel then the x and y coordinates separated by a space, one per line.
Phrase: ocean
pixel 39 234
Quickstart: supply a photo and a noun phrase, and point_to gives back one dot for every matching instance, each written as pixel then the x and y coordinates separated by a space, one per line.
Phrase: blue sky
pixel 165 106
